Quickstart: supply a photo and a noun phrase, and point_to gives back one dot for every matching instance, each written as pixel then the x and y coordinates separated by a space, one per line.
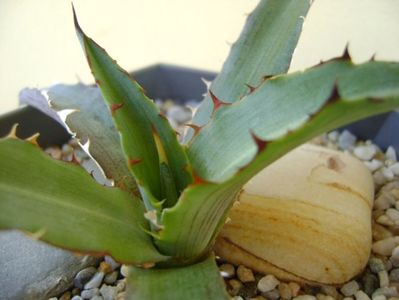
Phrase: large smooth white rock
pixel 307 217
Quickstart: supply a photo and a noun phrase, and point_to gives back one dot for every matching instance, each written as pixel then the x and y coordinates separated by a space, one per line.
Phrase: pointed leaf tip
pixel 75 20
pixel 346 54
pixel 260 144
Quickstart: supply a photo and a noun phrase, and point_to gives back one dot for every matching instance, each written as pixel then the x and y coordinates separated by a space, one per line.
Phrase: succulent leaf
pixel 135 116
pixel 92 121
pixel 245 137
pixel 265 48
pixel 197 282
pixel 61 204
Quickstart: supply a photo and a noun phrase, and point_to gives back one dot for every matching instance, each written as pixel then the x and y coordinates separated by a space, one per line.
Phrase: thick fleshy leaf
pixel 245 137
pixel 137 118
pixel 264 48
pixel 195 282
pixel 61 204
pixel 92 122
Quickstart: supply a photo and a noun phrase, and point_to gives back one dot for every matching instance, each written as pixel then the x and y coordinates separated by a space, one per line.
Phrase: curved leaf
pixel 245 137
pixel 92 121
pixel 264 48
pixel 137 118
pixel 61 204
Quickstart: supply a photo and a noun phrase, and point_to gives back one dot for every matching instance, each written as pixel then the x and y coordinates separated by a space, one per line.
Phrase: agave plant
pixel 169 199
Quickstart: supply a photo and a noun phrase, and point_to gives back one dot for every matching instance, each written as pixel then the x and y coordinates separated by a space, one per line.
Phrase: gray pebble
pixel 108 292
pixel 97 298
pixel 84 276
pixel 370 283
pixel 394 275
pixel 88 294
pixel 227 270
pixel 76 298
pixel 350 288
pixel 346 140
pixel 271 295
pixel 386 291
pixel 121 285
pixel 112 262
pixel 95 281
pixel 111 278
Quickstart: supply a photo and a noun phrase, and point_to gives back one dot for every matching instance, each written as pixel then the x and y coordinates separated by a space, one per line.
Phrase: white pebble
pixel 393 214
pixel 333 136
pixel 97 298
pixel 383 278
pixel 108 292
pixel 267 283
pixel 386 291
pixel 346 140
pixel 391 153
pixel 360 295
pixel 88 294
pixel 373 165
pixel 76 298
pixel 385 220
pixel 95 281
pixel 124 270
pixel 379 177
pixel 245 274
pixel 350 288
pixel 111 262
pixel 395 168
pixel 379 297
pixel 388 173
pixel 365 152
pixel 385 246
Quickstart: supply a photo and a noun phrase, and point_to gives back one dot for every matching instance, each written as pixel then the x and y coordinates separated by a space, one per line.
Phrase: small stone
pixel 395 168
pixel 305 297
pixel 383 278
pixel 105 267
pixel 121 296
pixel 285 291
pixel 295 288
pixel 380 232
pixel 360 295
pixel 235 286
pixel 111 277
pixel 66 296
pixel 388 174
pixel 88 294
pixel 112 262
pixel 108 292
pixel 77 297
pixel 350 288
pixel 395 257
pixel 271 295
pixel 393 214
pixel 267 283
pixel 121 285
pixel 333 136
pixel 386 291
pixel 379 297
pixel 370 283
pixel 391 153
pixel 366 152
pixel 379 178
pixel 385 246
pixel 373 165
pixel 83 277
pixel 95 281
pixel 346 140
pixel 124 270
pixel 97 298
pixel 376 265
pixel 394 275
pixel 227 270
pixel 54 152
pixel 245 274
pixel 385 220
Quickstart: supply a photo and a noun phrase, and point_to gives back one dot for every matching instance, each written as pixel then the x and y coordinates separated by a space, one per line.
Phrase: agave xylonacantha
pixel 253 114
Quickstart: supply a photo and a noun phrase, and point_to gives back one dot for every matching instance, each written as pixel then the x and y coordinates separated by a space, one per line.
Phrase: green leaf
pixel 285 111
pixel 61 204
pixel 137 118
pixel 264 48
pixel 92 121
pixel 195 282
